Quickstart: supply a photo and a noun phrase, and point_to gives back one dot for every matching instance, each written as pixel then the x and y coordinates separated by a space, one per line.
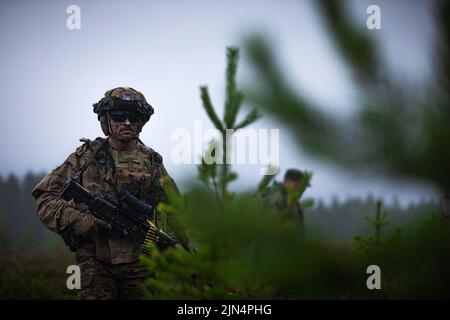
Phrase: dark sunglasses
pixel 122 116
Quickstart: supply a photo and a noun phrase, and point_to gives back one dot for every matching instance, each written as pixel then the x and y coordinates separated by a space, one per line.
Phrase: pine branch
pixel 231 107
pixel 236 107
pixel 305 182
pixel 265 181
pixel 307 203
pixel 207 105
pixel 251 117
pixel 354 44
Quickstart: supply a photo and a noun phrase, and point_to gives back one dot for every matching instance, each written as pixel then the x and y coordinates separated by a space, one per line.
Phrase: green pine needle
pixel 207 105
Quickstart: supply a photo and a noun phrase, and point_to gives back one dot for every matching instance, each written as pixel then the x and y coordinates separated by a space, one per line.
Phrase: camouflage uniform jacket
pixel 137 171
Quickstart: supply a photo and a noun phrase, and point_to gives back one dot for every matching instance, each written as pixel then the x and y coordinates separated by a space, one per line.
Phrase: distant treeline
pixel 19 222
pixel 341 220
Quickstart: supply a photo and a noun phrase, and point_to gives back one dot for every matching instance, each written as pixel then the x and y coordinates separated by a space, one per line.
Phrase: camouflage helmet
pixel 122 98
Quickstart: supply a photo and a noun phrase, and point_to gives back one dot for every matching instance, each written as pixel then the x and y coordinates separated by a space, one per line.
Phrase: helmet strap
pixel 104 124
pixel 108 118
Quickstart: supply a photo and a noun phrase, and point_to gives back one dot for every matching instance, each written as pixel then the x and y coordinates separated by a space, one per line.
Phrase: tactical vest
pixel 137 171
pixel 108 172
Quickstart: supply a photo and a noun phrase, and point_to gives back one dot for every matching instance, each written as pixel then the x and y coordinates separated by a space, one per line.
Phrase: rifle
pixel 131 216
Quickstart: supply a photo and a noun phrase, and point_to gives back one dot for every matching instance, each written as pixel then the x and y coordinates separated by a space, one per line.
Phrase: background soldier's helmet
pixel 125 99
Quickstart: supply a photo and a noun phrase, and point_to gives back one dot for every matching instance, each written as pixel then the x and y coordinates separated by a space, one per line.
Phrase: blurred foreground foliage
pixel 247 251
pixel 397 128
pixel 33 261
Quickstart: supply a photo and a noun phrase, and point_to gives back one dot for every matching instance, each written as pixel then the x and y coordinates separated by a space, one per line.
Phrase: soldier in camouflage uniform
pixel 277 198
pixel 109 263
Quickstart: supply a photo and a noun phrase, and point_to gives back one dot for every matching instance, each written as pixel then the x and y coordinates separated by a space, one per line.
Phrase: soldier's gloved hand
pixel 88 225
pixel 82 224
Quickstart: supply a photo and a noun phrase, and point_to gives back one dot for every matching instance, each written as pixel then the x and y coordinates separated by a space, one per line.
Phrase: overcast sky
pixel 50 75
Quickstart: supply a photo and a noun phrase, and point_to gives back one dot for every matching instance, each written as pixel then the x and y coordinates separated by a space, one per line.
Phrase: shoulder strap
pixel 155 156
pixel 88 163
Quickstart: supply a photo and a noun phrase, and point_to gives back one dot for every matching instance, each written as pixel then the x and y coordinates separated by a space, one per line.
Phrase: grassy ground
pixel 38 273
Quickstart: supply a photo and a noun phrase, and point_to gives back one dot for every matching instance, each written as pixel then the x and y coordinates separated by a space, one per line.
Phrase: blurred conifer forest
pixel 246 250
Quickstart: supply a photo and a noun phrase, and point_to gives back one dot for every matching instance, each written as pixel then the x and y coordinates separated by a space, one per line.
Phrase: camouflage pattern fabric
pixel 105 281
pixel 138 171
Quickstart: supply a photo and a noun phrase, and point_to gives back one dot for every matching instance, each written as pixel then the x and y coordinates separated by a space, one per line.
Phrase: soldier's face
pixel 125 126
